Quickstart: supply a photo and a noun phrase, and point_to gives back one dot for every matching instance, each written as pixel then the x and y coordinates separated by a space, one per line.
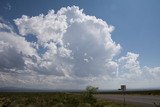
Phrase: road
pixel 139 100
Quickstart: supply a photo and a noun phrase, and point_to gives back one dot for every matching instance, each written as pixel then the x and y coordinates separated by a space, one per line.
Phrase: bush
pixel 88 95
pixel 157 105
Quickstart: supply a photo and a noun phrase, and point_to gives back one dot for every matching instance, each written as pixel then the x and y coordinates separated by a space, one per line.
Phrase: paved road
pixel 140 100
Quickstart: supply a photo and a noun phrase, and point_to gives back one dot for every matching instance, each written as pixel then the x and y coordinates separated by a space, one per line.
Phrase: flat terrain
pixel 139 100
pixel 51 99
pixel 81 99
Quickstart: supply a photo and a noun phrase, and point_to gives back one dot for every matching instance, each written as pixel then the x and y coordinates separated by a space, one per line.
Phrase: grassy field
pixel 48 99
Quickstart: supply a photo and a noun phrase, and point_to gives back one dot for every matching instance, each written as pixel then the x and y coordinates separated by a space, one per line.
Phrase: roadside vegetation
pixel 157 105
pixel 50 99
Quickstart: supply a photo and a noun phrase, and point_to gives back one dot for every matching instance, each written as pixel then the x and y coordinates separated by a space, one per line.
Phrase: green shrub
pixel 157 105
pixel 88 95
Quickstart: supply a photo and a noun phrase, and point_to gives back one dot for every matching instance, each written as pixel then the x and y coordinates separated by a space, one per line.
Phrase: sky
pixel 69 44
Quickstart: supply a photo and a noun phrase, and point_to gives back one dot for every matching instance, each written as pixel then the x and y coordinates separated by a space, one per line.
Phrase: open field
pixel 49 99
pixel 79 99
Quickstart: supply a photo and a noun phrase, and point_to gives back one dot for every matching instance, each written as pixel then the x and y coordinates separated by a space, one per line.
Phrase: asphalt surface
pixel 139 100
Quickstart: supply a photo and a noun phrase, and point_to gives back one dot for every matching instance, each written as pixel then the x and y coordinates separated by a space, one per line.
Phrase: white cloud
pixel 13 50
pixel 46 28
pixel 152 73
pixel 72 50
pixel 129 64
pixel 84 34
pixel 17 42
pixel 135 76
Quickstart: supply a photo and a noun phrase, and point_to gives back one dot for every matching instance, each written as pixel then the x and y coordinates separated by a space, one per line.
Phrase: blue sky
pixel 65 50
pixel 136 22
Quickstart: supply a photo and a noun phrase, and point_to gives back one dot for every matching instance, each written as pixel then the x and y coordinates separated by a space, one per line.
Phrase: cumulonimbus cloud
pixel 69 48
